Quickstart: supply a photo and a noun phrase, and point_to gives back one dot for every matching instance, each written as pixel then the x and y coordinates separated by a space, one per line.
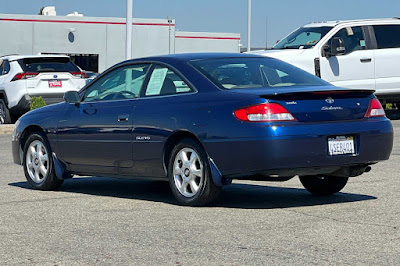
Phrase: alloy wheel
pixel 37 161
pixel 188 172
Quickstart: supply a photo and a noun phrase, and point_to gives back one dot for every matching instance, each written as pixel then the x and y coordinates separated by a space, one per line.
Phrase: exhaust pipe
pixel 352 171
pixel 367 169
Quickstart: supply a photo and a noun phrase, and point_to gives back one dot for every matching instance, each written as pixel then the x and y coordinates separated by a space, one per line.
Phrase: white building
pixel 97 43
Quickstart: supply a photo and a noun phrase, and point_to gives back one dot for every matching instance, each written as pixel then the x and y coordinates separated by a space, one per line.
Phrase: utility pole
pixel 248 25
pixel 129 15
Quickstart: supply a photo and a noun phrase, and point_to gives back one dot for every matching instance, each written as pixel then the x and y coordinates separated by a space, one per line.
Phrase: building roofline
pixel 85 20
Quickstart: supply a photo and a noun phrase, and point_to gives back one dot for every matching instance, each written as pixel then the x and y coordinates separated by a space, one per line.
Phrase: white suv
pixel 23 77
pixel 351 54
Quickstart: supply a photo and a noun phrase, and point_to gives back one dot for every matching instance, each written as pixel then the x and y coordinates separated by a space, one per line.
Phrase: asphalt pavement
pixel 104 221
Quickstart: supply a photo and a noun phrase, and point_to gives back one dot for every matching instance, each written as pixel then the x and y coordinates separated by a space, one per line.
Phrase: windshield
pixel 239 73
pixel 303 38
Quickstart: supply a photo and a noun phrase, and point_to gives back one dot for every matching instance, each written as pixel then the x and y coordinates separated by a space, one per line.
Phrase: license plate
pixel 55 83
pixel 341 145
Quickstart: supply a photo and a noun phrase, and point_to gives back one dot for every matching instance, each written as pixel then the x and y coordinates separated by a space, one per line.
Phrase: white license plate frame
pixel 341 145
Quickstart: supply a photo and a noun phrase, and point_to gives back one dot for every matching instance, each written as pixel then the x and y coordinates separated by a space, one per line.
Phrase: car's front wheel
pixel 38 164
pixel 190 176
pixel 4 113
pixel 323 185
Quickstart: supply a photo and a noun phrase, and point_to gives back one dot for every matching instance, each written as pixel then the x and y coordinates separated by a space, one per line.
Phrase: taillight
pixel 375 109
pixel 265 112
pixel 20 76
pixel 79 74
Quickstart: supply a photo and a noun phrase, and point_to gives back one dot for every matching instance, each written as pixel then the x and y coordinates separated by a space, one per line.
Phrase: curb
pixel 6 129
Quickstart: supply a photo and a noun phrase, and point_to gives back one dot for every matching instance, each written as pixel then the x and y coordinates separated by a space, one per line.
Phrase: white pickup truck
pixel 351 54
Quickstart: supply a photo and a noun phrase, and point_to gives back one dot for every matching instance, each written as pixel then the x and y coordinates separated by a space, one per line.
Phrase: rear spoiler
pixel 318 94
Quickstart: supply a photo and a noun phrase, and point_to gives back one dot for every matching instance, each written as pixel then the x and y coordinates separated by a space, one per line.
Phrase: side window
pixel 164 81
pixel 387 36
pixel 122 83
pixel 1 66
pixel 6 67
pixel 353 38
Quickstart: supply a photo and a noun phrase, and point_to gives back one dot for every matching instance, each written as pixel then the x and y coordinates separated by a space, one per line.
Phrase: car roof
pixel 194 56
pixel 337 22
pixel 17 57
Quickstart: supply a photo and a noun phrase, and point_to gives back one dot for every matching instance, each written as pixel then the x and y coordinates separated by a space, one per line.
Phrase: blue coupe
pixel 201 120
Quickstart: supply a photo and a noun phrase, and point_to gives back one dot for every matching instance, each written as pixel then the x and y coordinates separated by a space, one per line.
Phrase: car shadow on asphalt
pixel 241 196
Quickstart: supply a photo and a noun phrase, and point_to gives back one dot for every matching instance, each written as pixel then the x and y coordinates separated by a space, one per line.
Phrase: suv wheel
pixel 190 176
pixel 4 113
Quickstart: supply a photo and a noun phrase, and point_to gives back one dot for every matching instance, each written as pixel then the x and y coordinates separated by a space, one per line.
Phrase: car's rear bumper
pixel 301 148
pixel 24 103
pixel 22 106
pixel 50 98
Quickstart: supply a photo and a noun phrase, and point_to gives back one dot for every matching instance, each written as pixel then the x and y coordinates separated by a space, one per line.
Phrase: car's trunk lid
pixel 313 104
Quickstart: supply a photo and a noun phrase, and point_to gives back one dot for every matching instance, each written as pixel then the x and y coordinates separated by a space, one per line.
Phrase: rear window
pixel 48 64
pixel 240 73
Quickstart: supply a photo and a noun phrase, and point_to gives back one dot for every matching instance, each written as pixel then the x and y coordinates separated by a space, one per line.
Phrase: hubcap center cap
pixel 186 172
pixel 36 161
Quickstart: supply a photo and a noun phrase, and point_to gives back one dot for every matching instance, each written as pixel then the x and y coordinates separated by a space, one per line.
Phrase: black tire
pixel 5 117
pixel 207 190
pixel 50 180
pixel 323 185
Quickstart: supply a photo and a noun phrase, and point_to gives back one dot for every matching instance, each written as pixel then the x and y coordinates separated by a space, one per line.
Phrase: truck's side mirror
pixel 72 97
pixel 337 47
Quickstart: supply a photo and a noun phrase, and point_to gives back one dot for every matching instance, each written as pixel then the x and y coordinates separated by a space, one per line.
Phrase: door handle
pixel 123 118
pixel 365 60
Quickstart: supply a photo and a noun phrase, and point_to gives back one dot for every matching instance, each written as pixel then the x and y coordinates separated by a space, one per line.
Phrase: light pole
pixel 248 25
pixel 128 45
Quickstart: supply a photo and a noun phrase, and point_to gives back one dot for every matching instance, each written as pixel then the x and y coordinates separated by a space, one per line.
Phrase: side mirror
pixel 72 97
pixel 337 47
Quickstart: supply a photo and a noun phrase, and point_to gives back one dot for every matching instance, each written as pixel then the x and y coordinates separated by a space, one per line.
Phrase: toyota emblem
pixel 55 76
pixel 329 100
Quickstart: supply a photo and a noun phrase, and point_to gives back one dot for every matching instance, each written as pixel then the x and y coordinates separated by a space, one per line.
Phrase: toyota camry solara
pixel 201 120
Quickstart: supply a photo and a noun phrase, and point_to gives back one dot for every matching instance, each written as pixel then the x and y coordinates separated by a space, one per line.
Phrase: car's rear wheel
pixel 190 176
pixel 319 185
pixel 38 164
pixel 5 117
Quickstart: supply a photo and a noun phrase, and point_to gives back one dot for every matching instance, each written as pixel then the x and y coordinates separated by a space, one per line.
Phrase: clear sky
pixel 221 15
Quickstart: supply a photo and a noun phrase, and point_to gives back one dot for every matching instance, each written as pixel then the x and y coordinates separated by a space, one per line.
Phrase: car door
pixel 387 60
pixel 95 136
pixel 355 68
pixel 167 93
